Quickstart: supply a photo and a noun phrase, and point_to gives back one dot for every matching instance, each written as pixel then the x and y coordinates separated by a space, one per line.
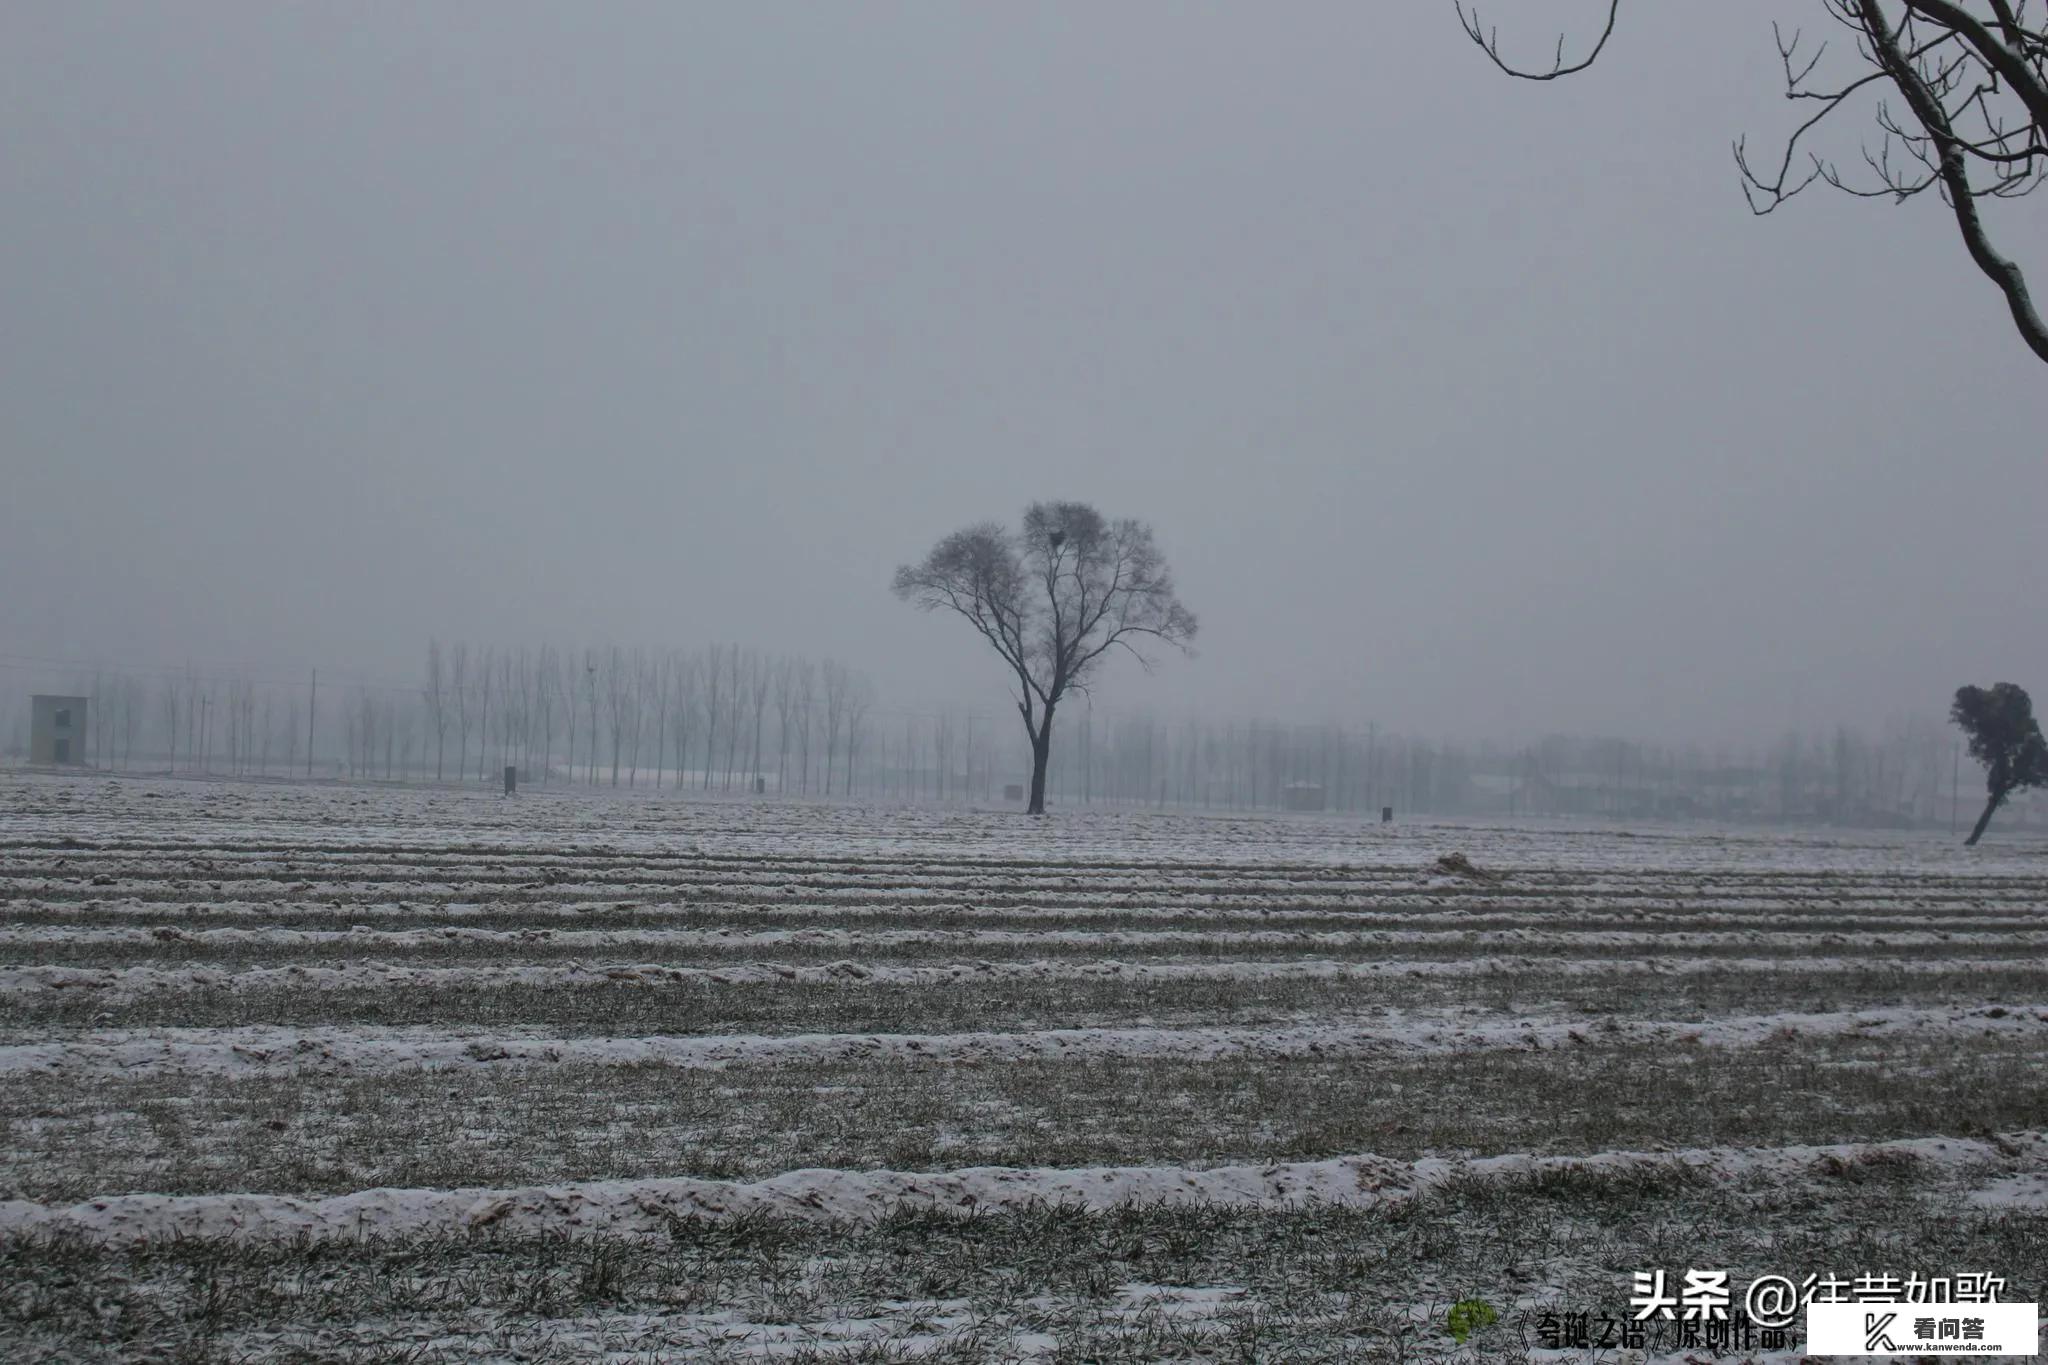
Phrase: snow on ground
pixel 970 940
pixel 360 1050
pixel 182 940
pixel 647 1208
pixel 159 815
pixel 111 983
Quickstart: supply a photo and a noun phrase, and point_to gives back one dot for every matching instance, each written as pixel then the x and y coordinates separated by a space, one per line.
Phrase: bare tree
pixel 458 691
pixel 734 698
pixel 291 734
pixel 713 690
pixel 544 699
pixel 207 721
pixel 245 714
pixel 131 718
pixel 785 708
pixel 860 699
pixel 483 728
pixel 437 702
pixel 96 708
pixel 569 681
pixel 636 716
pixel 519 686
pixel 910 783
pixel 170 701
pixel 660 669
pixel 590 698
pixel 404 727
pixel 806 703
pixel 837 683
pixel 1053 601
pixel 683 700
pixel 1970 122
pixel 758 681
pixel 618 687
pixel 636 711
pixel 231 693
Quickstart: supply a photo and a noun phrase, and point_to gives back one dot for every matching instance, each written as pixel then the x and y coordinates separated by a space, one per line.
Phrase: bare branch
pixel 1976 92
pixel 1488 41
pixel 2026 81
pixel 2000 269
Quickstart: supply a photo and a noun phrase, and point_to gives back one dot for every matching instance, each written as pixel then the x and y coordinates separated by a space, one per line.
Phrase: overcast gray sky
pixel 1463 404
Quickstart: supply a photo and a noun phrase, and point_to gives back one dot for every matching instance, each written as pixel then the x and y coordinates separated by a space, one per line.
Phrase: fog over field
pixel 347 1072
pixel 528 531
pixel 1459 404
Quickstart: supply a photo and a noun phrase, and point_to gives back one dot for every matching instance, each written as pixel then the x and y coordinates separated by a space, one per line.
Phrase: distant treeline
pixel 727 718
pixel 1909 774
pixel 717 719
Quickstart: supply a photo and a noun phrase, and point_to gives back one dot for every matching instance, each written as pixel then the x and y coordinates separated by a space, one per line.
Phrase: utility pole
pixel 312 706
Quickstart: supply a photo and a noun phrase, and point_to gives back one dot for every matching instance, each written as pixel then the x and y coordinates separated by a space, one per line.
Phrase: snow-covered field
pixel 339 1072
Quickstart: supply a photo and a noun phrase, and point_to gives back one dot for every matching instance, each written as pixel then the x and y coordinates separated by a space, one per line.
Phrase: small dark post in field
pixel 511 779
pixel 1386 815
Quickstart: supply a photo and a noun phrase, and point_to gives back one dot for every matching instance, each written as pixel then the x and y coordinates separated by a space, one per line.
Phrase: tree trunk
pixel 1990 808
pixel 1041 756
pixel 483 729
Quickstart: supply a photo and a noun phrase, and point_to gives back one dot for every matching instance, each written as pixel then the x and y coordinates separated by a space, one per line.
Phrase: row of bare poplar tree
pixel 721 718
pixel 234 724
pixel 725 718
pixel 677 718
